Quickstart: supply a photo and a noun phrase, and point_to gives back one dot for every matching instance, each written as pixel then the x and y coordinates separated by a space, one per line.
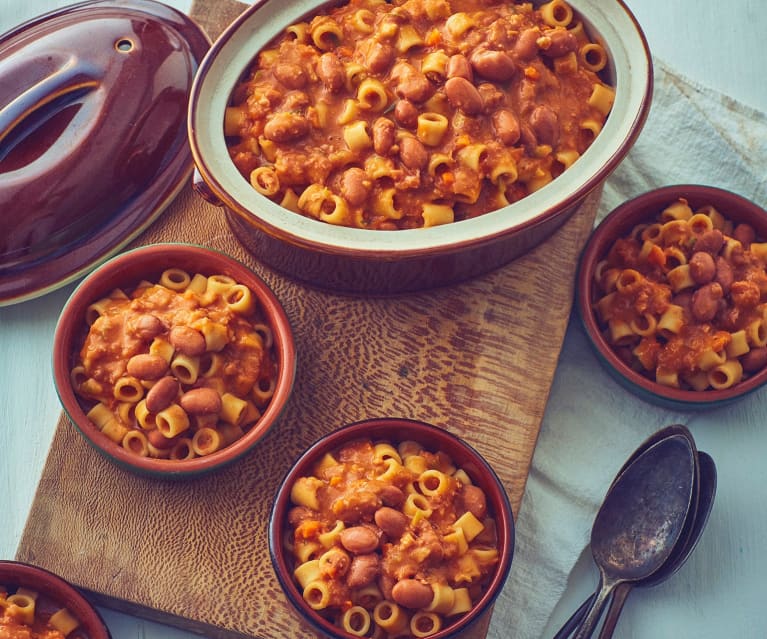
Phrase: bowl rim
pixel 227 60
pixel 57 588
pixel 620 220
pixel 377 428
pixel 86 292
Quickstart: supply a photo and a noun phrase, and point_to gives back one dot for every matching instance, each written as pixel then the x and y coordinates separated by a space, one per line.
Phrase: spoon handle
pixel 613 612
pixel 589 623
pixel 572 623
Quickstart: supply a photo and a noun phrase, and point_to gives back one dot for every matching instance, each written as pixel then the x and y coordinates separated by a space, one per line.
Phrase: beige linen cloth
pixel 692 136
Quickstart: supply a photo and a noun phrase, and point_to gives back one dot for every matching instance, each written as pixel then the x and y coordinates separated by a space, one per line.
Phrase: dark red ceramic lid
pixel 93 143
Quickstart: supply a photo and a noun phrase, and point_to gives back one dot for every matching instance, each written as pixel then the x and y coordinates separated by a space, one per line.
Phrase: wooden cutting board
pixel 477 359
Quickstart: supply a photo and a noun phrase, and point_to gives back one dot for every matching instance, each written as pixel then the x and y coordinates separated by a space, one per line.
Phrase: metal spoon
pixel 675 561
pixel 679 555
pixel 641 519
pixel 688 536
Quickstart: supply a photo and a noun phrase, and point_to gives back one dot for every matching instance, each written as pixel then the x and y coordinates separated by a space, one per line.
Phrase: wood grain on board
pixel 476 358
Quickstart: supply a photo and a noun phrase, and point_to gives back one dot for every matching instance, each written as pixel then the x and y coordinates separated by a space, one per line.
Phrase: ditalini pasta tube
pixel 398 531
pixel 507 97
pixel 682 297
pixel 176 368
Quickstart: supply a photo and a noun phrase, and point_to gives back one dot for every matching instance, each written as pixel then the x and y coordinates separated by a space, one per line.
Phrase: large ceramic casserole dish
pixel 361 260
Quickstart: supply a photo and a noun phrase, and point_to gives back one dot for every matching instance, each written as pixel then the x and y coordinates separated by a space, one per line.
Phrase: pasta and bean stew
pixel 177 368
pixel 26 614
pixel 415 113
pixel 390 540
pixel 683 299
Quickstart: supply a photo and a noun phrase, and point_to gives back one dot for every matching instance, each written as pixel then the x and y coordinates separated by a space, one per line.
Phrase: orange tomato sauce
pixel 685 294
pixel 512 92
pixel 208 370
pixel 353 486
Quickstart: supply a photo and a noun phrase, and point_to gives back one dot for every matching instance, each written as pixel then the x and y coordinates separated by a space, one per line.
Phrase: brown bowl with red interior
pixel 173 360
pixel 364 259
pixel 672 293
pixel 34 599
pixel 383 538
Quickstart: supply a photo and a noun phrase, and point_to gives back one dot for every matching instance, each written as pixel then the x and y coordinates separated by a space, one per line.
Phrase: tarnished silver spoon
pixel 680 554
pixel 641 519
pixel 675 561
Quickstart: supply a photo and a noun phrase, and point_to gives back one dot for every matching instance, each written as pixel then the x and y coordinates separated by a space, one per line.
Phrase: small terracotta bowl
pixel 645 209
pixel 147 263
pixel 395 431
pixel 54 593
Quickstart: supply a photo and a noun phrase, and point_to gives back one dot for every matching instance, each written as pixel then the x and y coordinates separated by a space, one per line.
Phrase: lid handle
pixel 73 77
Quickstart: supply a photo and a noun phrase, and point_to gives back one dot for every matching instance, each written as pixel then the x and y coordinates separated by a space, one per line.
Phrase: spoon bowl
pixel 641 519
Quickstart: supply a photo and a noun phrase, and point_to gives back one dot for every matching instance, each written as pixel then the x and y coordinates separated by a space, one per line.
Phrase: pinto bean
pixel 162 394
pixel 561 42
pixel 187 340
pixel 411 84
pixel 745 234
pixel 463 95
pixel 384 131
pixel 754 360
pixel 526 46
pixel 363 570
pixel 412 593
pixel 474 500
pixel 391 521
pixel 493 65
pixel 710 242
pixel 158 440
pixel 331 72
pixel 406 113
pixel 285 127
pixel 458 67
pixel 148 326
pixel 359 540
pixel 724 274
pixel 745 294
pixel 506 126
pixel 702 267
pixel 413 153
pixel 705 302
pixel 380 57
pixel 145 366
pixel 392 496
pixel 355 186
pixel 545 123
pixel 290 75
pixel 201 401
